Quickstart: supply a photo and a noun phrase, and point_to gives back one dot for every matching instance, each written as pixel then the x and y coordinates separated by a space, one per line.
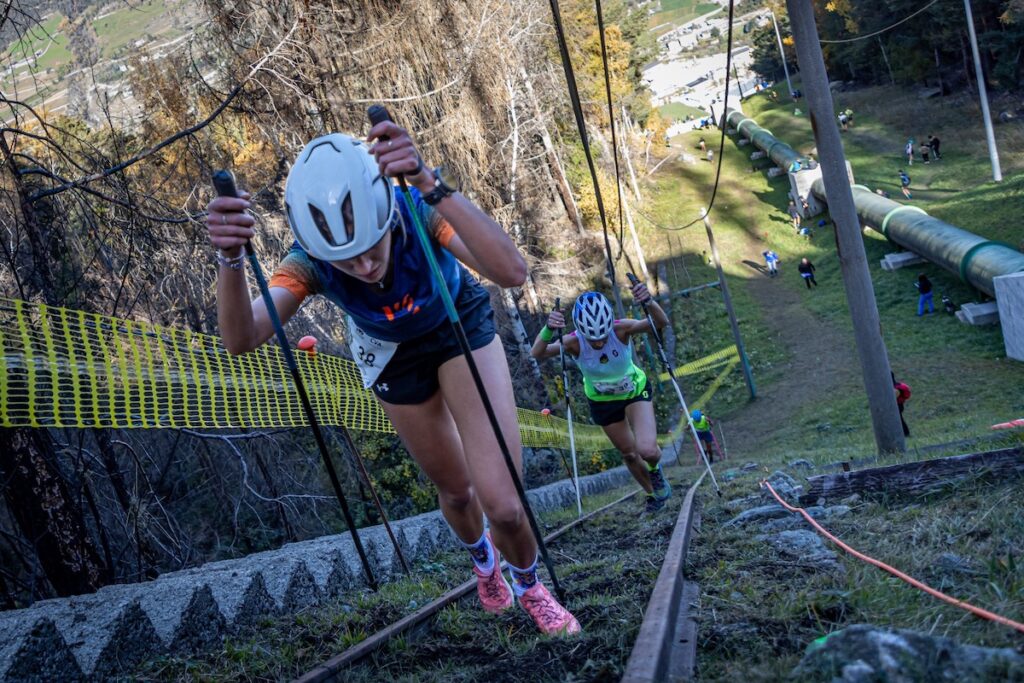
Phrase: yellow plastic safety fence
pixel 681 427
pixel 68 368
pixel 709 362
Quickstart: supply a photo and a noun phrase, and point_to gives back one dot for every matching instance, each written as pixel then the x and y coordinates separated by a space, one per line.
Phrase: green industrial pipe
pixel 973 259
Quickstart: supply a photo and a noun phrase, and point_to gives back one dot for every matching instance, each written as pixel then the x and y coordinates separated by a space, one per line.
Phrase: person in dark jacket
pixel 925 294
pixel 934 143
pixel 806 269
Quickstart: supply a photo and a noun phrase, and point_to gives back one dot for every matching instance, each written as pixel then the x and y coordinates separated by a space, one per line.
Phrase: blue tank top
pixel 413 305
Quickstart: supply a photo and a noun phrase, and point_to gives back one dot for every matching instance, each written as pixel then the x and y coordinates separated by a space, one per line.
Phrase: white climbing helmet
pixel 330 170
pixel 593 316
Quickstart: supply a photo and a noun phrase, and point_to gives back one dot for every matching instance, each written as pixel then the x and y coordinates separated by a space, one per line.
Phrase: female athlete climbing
pixel 351 247
pixel 618 391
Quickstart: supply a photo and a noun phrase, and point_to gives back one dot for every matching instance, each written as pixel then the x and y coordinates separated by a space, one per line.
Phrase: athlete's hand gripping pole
pixel 568 418
pixel 224 183
pixel 633 280
pixel 378 114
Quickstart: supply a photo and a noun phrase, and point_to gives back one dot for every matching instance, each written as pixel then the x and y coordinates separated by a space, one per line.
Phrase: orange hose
pixel 985 614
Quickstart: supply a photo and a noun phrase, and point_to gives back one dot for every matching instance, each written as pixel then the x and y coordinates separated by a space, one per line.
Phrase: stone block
pixel 1009 291
pixel 758 155
pixel 980 314
pixel 901 259
pixel 31 648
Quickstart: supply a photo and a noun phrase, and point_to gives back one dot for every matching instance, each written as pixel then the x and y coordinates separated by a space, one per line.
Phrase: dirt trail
pixel 818 358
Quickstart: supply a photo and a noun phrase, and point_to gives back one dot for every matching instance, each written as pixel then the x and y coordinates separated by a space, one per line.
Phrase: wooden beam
pixel 915 477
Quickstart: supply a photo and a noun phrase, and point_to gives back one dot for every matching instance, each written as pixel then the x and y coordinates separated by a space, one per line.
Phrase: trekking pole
pixel 725 447
pixel 224 183
pixel 378 114
pixel 568 417
pixel 672 376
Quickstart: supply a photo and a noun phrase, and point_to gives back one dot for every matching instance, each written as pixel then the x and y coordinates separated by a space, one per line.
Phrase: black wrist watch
pixel 445 185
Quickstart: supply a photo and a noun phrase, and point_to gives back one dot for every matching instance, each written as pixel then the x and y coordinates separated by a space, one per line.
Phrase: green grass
pixel 677 111
pixel 43 37
pixel 678 12
pixel 927 353
pixel 124 26
pixel 768 608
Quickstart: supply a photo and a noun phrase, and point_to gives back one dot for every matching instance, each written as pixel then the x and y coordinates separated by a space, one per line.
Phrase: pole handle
pixel 378 113
pixel 633 279
pixel 224 183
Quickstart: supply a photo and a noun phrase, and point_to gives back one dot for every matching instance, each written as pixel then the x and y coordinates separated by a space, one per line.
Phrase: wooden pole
pixel 860 294
pixel 724 286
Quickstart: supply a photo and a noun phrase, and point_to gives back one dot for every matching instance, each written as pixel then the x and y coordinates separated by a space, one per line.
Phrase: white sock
pixel 482 553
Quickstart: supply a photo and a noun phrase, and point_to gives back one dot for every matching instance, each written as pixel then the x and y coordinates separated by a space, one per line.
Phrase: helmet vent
pixel 320 220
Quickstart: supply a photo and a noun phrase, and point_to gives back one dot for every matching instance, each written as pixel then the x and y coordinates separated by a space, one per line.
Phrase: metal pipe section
pixel 972 258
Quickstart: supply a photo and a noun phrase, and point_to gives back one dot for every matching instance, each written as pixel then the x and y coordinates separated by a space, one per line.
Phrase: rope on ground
pixel 977 611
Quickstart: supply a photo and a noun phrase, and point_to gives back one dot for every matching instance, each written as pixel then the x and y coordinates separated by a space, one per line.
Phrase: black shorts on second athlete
pixel 605 413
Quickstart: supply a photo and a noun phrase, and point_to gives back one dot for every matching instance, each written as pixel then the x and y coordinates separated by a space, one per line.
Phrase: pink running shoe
pixel 494 591
pixel 551 618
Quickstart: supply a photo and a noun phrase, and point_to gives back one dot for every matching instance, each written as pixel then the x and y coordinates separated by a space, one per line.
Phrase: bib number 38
pixel 370 354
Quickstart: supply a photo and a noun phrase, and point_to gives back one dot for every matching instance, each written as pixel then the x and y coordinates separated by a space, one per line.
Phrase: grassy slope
pixel 759 609
pixel 749 217
pixel 678 12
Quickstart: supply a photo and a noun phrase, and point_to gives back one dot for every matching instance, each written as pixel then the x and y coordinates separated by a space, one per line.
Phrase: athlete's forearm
pixel 657 314
pixel 234 310
pixel 493 250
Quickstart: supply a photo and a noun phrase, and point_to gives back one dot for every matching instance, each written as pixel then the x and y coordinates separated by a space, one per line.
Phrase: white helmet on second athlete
pixel 593 316
pixel 330 172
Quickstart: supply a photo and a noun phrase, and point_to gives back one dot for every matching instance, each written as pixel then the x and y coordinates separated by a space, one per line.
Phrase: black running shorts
pixel 410 377
pixel 606 413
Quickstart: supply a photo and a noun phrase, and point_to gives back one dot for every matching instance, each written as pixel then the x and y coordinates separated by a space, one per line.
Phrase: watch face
pixel 448 178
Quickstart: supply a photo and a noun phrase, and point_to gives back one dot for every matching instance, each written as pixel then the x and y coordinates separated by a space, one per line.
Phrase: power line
pixel 872 35
pixel 721 140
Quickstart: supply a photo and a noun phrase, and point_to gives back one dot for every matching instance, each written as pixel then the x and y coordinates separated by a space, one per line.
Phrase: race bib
pixel 623 386
pixel 369 353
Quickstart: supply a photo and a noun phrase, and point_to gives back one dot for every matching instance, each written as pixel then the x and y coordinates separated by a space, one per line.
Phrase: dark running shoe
pixel 652 506
pixel 662 489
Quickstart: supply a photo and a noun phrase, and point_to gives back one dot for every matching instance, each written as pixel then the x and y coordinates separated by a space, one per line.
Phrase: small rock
pixel 737 504
pixel 806 464
pixel 785 485
pixel 803 545
pixel 952 562
pixel 749 466
pixel 863 653
pixel 729 475
pixel 824 427
pixel 758 514
pixel 851 500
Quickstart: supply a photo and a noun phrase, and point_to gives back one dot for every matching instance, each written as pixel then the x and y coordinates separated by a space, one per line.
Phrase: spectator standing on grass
pixel 794 213
pixel 703 146
pixel 806 269
pixel 934 143
pixel 905 185
pixel 844 121
pixel 849 117
pixel 902 396
pixel 772 259
pixel 924 294
pixel 909 151
pixel 925 151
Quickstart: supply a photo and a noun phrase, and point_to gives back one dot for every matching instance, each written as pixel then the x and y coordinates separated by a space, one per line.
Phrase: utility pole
pixel 782 53
pixel 724 286
pixel 993 152
pixel 860 295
